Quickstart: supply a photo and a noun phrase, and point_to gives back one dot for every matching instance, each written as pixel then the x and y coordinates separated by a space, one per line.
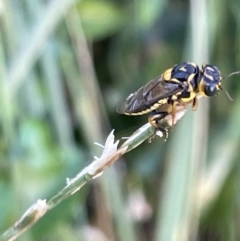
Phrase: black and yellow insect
pixel 167 96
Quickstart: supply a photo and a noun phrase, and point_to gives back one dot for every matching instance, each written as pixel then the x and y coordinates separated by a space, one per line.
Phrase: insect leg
pixel 195 103
pixel 155 118
pixel 173 112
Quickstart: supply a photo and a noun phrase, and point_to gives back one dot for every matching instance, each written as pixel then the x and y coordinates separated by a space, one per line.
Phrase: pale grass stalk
pixel 110 154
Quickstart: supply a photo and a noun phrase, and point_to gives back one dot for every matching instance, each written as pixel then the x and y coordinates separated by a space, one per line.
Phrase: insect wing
pixel 147 95
pixel 134 103
pixel 159 89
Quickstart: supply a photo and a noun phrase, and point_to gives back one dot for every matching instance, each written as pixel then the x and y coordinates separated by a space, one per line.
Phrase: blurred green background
pixel 65 66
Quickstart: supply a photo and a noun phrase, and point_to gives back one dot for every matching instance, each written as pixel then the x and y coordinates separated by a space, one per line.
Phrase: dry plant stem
pixel 31 216
pixel 145 132
pixel 110 154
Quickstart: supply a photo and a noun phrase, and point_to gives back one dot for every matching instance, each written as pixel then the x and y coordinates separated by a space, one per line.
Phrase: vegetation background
pixel 65 66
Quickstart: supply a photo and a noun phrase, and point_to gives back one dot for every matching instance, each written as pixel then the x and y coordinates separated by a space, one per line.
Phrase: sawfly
pixel 166 97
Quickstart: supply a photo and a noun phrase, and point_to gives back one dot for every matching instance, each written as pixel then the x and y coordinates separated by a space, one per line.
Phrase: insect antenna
pixel 228 95
pixel 233 73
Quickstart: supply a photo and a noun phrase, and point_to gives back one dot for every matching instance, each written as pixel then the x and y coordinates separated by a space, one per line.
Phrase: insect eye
pixel 210 90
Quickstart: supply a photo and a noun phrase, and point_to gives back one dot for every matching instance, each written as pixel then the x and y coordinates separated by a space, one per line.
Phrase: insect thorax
pixel 187 75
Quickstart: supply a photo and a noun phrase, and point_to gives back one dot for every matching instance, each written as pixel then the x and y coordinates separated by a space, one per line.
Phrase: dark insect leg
pixel 195 103
pixel 154 120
